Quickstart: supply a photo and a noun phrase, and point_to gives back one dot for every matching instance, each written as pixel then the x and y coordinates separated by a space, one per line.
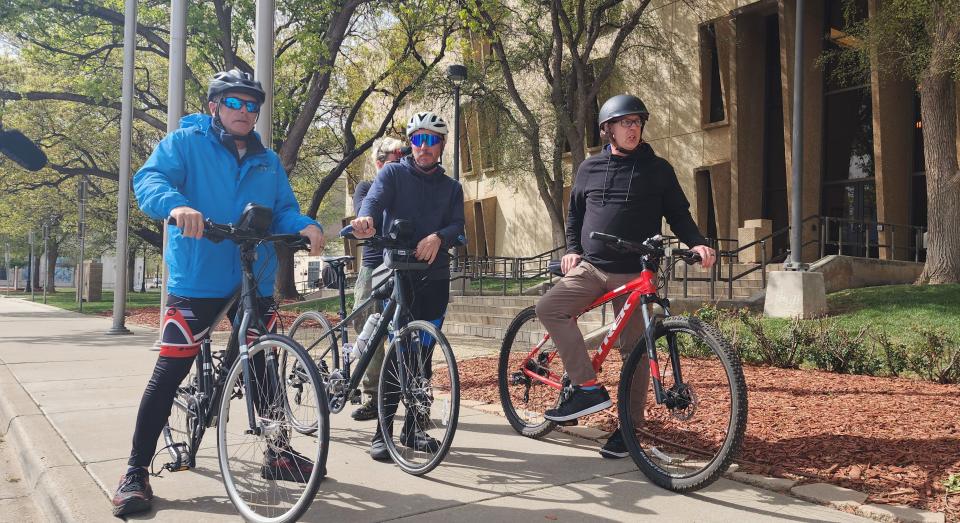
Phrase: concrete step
pixel 495 301
pixel 591 321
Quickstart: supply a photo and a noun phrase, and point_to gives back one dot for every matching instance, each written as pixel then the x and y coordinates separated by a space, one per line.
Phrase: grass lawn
pixel 901 311
pixel 65 298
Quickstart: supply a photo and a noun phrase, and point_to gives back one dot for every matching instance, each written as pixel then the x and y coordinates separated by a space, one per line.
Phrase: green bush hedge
pixel 832 345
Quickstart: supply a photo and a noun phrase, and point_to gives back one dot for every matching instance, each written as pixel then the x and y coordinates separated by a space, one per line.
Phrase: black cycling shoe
pixel 366 412
pixel 134 493
pixel 378 448
pixel 614 448
pixel 420 441
pixel 580 403
pixel 286 465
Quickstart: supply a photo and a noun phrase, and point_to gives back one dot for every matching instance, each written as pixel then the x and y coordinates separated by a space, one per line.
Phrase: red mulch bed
pixel 892 438
pixel 150 317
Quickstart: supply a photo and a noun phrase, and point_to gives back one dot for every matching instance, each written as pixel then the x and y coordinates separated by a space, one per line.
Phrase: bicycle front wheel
pixel 271 471
pixel 313 332
pixel 525 399
pixel 418 401
pixel 689 440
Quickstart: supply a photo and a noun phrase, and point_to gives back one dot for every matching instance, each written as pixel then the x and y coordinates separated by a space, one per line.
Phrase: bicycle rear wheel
pixel 178 433
pixel 419 416
pixel 524 399
pixel 272 472
pixel 313 332
pixel 687 442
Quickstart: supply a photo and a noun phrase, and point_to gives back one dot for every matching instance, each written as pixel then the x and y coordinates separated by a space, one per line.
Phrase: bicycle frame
pixel 210 379
pixel 639 291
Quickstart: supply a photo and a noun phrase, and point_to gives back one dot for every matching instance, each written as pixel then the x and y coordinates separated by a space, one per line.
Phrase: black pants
pixel 187 321
pixel 428 302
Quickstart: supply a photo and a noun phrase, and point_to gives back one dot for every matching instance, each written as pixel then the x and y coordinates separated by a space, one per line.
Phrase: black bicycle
pixel 244 392
pixel 419 388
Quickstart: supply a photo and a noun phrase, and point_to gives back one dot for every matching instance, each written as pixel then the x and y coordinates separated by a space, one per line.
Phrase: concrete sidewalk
pixel 68 399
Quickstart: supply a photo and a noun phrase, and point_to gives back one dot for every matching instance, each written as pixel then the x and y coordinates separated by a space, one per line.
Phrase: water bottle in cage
pixel 364 338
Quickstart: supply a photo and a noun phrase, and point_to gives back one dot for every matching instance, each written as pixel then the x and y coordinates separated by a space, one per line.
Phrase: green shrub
pixel 785 351
pixel 836 350
pixel 937 359
pixel 895 359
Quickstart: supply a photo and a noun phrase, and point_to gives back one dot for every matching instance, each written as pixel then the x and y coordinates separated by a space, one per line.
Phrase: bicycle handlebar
pixel 217 232
pixel 652 247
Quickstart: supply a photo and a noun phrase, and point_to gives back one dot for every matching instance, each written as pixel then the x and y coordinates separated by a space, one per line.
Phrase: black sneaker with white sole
pixel 580 403
pixel 614 448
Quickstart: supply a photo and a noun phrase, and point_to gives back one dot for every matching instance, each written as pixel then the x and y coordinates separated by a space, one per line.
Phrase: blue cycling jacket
pixel 193 167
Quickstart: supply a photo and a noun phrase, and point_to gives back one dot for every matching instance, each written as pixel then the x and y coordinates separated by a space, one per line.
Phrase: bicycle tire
pixel 178 432
pixel 238 449
pixel 525 414
pixel 433 403
pixel 662 448
pixel 306 330
pixel 309 330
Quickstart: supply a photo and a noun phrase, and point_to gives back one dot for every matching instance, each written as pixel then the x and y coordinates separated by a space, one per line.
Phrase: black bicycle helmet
pixel 235 80
pixel 621 105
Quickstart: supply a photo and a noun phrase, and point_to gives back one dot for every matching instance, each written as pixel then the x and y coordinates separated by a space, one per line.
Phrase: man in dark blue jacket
pixel 417 189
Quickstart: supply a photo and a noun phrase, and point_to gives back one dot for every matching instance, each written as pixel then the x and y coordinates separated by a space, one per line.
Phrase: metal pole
pixel 30 275
pixel 175 103
pixel 456 131
pixel 123 199
pixel 46 256
pixel 264 67
pixel 81 229
pixel 796 231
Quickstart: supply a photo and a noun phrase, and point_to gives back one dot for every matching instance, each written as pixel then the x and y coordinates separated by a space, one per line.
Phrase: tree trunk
pixel 35 272
pixel 131 268
pixel 939 115
pixel 285 287
pixel 53 252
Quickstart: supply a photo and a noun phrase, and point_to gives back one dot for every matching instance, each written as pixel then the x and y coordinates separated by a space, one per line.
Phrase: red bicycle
pixel 693 423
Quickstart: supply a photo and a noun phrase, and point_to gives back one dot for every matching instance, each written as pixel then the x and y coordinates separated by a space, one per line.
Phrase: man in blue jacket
pixel 211 167
pixel 417 189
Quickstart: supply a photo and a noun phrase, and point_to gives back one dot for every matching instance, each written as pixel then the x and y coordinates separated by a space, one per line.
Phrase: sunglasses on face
pixel 236 103
pixel 424 139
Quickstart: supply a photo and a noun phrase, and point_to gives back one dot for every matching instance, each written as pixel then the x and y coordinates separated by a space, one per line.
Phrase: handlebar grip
pixel 347 232
pixel 171 221
pixel 603 237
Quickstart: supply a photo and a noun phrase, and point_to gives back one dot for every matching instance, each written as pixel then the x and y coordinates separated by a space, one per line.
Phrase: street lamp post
pixel 457 74
pixel 46 256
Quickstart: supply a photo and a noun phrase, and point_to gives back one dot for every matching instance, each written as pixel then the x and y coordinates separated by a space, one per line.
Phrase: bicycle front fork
pixel 650 336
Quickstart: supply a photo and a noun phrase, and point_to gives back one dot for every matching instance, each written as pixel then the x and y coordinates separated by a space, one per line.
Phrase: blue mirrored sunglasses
pixel 236 103
pixel 424 139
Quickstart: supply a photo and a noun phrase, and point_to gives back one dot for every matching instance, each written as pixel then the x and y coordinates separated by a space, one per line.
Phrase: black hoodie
pixel 626 196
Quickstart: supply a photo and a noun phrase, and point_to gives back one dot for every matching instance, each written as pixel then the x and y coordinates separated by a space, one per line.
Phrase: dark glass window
pixel 848 135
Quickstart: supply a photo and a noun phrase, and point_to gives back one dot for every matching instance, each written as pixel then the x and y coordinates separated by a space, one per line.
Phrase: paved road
pixel 72 394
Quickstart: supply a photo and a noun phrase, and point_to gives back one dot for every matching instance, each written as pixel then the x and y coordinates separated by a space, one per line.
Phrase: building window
pixel 712 105
pixel 489 130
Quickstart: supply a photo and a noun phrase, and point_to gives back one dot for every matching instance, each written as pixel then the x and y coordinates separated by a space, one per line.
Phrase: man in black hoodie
pixel 626 190
pixel 417 189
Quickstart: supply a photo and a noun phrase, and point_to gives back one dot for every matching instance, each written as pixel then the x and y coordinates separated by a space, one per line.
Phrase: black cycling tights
pixel 184 317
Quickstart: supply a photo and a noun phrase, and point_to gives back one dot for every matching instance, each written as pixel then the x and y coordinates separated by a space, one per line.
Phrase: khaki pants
pixel 361 291
pixel 558 310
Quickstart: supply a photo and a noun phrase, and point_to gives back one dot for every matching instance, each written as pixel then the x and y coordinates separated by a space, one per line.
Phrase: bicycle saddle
pixel 336 260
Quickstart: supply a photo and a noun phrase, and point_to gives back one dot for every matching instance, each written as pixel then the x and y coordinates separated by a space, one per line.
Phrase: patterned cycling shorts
pixel 187 321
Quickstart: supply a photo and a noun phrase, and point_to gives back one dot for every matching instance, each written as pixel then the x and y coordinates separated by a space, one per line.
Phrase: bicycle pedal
pixel 568 423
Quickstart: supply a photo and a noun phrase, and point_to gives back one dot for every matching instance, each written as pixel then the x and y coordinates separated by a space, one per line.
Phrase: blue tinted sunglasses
pixel 424 139
pixel 236 103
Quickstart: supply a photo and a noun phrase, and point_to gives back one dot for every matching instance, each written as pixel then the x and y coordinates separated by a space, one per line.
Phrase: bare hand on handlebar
pixel 189 220
pixel 363 227
pixel 707 255
pixel 315 236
